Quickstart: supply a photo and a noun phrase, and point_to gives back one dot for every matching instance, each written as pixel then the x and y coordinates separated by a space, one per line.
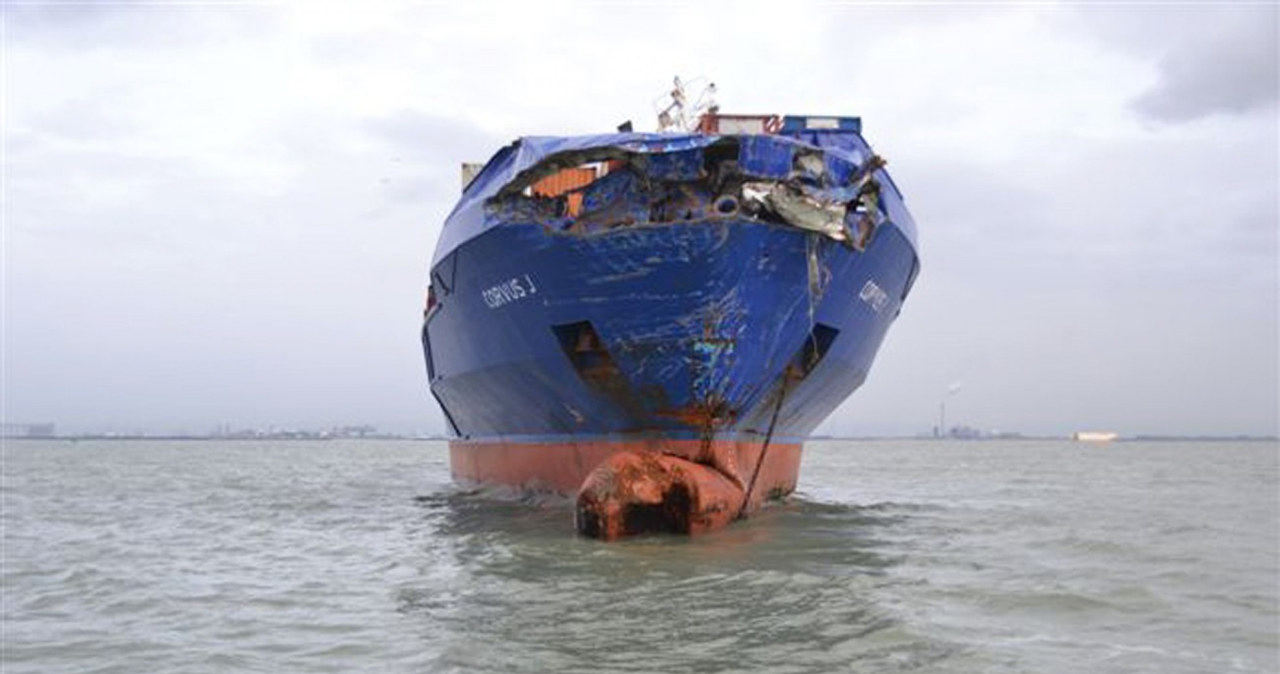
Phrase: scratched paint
pixel 698 324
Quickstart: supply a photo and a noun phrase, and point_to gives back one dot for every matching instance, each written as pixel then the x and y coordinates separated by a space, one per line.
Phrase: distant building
pixel 964 433
pixel 1094 436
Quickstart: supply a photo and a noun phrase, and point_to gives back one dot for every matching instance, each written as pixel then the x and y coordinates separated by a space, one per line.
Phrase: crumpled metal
pixel 677 159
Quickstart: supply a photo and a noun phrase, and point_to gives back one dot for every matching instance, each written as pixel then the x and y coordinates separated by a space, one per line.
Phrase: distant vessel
pixel 657 321
pixel 1094 436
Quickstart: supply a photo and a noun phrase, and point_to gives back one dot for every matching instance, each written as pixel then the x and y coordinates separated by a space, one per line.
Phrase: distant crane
pixel 676 116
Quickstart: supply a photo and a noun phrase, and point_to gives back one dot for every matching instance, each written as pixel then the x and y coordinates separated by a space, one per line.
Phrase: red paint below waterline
pixel 634 486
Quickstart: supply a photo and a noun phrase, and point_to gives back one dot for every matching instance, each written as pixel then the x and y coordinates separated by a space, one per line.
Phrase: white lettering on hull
pixel 874 296
pixel 511 290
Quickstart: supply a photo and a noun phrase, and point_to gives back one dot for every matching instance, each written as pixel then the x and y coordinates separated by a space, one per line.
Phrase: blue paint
pixel 792 124
pixel 765 157
pixel 683 165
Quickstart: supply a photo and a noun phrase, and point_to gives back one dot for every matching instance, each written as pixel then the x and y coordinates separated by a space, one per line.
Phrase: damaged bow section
pixel 773 179
pixel 658 320
pixel 831 192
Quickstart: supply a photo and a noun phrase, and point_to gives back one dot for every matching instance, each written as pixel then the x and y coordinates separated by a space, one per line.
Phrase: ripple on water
pixel 780 590
pixel 362 556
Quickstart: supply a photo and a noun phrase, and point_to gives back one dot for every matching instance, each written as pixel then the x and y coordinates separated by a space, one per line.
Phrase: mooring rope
pixel 755 474
pixel 816 287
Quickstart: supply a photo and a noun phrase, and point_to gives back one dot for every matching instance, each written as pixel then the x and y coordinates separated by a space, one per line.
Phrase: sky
pixel 223 213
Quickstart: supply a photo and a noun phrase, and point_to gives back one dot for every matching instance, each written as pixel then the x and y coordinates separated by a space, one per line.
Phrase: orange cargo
pixel 565 181
pixel 574 204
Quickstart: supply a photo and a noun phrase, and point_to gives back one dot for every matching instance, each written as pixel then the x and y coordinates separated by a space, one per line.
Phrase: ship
pixel 654 322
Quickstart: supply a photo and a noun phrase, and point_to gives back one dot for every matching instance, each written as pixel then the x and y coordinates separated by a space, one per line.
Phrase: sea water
pixel 355 556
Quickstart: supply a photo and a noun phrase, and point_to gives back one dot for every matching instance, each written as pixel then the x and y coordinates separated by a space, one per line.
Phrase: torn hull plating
pixel 714 340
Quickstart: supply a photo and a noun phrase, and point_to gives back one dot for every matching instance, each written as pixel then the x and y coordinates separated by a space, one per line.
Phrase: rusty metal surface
pixel 636 493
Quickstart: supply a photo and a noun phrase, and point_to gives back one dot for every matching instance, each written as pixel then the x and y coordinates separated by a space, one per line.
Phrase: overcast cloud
pixel 224 213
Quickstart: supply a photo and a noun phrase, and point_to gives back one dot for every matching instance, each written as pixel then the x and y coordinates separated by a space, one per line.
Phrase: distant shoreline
pixel 1067 438
pixel 815 438
pixel 232 438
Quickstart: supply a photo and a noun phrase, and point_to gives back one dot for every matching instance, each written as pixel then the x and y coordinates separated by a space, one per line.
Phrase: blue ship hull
pixel 693 316
pixel 671 324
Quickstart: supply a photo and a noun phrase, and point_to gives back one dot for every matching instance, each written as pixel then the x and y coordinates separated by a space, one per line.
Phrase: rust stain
pixel 708 416
pixel 711 412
